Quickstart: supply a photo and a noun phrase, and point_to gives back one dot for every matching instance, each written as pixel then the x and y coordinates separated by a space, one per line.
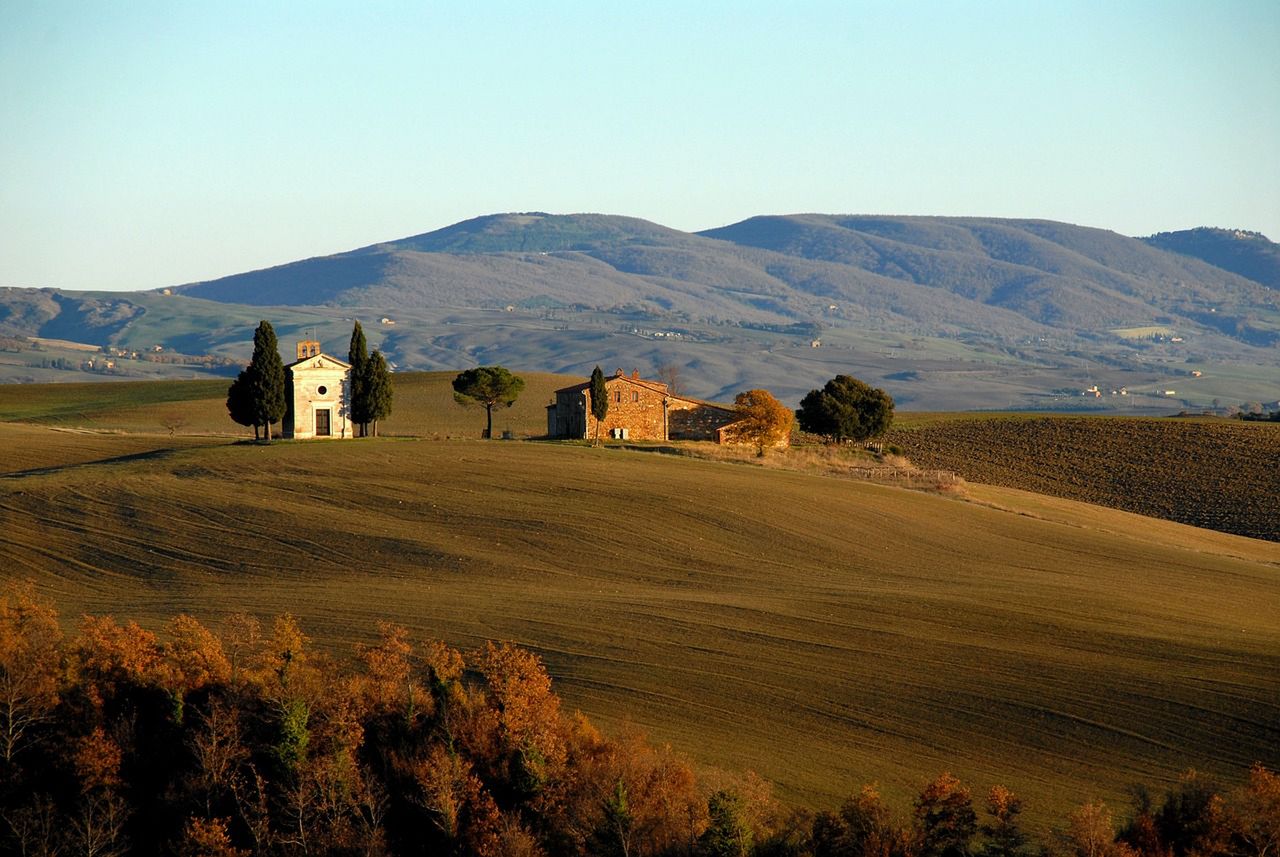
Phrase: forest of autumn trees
pixel 117 740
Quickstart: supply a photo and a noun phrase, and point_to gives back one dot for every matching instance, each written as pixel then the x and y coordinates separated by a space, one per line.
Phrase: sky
pixel 151 144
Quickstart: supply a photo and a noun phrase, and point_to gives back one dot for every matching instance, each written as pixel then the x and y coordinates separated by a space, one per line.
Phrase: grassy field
pixel 423 406
pixel 1222 474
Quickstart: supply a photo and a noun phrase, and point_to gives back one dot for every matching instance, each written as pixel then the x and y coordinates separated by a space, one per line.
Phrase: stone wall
pixel 690 420
pixel 643 409
pixel 568 417
pixel 636 407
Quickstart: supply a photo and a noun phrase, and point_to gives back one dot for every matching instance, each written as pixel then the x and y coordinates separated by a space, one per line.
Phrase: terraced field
pixel 1219 474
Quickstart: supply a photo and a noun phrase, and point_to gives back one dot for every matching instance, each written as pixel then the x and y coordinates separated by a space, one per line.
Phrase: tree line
pixel 247 740
pixel 258 395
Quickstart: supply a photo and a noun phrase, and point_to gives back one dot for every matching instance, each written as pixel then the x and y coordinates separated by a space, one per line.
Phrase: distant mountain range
pixel 922 274
pixel 563 292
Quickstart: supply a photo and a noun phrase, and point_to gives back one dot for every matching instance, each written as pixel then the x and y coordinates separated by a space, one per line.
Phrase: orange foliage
pixel 762 421
pixel 445 664
pixel 97 761
pixel 442 779
pixel 242 641
pixel 388 684
pixel 115 653
pixel 193 657
pixel 31 655
pixel 283 751
pixel 207 837
pixel 529 713
pixel 1259 813
pixel 286 652
pixel 1091 833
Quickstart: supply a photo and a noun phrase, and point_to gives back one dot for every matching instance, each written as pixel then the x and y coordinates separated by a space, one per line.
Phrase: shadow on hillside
pixel 117 459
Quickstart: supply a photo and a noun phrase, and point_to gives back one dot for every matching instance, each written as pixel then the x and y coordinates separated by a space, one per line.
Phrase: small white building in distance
pixel 318 395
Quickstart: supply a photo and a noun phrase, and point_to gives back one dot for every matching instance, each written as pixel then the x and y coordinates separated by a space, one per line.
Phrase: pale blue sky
pixel 150 144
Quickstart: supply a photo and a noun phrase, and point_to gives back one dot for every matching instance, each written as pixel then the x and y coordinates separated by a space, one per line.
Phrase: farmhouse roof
pixel 634 378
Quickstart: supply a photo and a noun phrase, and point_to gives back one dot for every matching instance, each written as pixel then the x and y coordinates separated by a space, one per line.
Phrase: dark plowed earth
pixel 1221 475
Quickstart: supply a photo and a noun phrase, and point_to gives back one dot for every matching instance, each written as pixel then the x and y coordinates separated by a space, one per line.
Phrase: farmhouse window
pixel 635 395
pixel 617 395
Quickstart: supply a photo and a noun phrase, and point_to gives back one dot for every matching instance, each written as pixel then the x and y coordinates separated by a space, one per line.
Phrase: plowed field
pixel 1223 475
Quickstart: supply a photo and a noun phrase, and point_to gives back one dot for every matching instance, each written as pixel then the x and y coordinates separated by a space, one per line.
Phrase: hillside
pixel 1249 254
pixel 1212 473
pixel 935 271
pixel 1061 649
pixel 423 406
pixel 945 313
pixel 1217 473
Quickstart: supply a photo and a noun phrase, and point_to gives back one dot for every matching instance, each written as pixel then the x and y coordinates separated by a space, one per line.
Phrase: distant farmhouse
pixel 639 409
pixel 318 395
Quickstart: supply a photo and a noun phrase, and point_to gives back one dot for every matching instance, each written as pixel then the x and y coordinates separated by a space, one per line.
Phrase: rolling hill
pixel 1249 254
pixel 823 632
pixel 946 313
pixel 1063 649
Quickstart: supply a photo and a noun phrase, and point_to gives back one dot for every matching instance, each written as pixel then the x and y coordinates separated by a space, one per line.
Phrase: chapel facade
pixel 318 396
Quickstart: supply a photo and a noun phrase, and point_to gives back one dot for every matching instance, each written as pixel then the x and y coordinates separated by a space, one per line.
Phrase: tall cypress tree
pixel 358 356
pixel 376 386
pixel 599 400
pixel 265 377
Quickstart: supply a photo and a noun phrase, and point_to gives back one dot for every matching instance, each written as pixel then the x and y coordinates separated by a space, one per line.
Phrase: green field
pixel 423 406
pixel 821 631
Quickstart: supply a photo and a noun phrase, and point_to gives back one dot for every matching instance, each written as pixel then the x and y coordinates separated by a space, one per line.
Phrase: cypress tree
pixel 239 403
pixel 599 400
pixel 358 356
pixel 266 379
pixel 376 386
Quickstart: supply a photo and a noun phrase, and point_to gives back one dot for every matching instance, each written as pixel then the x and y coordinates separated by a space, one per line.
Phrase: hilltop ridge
pixel 1249 254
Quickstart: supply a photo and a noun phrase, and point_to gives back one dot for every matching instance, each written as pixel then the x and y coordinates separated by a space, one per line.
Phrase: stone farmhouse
pixel 318 395
pixel 639 409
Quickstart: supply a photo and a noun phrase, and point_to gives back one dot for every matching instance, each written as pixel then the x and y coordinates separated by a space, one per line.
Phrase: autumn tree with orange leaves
pixel 31 655
pixel 761 421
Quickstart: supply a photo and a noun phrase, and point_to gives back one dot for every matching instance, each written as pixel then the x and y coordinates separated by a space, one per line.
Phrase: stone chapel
pixel 318 395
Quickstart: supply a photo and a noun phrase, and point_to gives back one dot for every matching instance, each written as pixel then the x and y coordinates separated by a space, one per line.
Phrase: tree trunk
pixel 488 430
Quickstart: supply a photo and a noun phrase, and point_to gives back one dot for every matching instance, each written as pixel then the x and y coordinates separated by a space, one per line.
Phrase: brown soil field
pixel 1219 474
pixel 824 632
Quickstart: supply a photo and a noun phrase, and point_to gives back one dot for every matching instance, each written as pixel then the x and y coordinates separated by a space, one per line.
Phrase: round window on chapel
pixel 322 390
